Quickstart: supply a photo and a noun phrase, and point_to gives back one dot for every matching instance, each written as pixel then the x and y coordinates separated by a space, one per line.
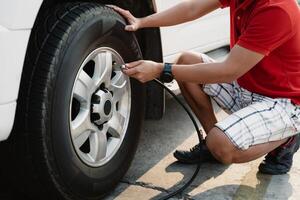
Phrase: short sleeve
pixel 267 30
pixel 224 3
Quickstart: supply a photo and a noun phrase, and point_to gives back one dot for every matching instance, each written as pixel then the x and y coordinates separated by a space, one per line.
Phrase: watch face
pixel 167 77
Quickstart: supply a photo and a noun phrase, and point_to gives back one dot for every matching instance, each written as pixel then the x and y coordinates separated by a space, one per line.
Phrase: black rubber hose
pixel 201 141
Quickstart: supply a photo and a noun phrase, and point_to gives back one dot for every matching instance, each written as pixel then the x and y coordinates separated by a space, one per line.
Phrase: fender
pixel 16 20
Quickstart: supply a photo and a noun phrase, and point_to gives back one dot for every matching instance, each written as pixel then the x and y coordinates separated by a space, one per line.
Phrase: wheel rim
pixel 100 107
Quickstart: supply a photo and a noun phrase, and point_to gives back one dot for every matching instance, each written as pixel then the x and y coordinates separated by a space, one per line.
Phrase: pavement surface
pixel 155 172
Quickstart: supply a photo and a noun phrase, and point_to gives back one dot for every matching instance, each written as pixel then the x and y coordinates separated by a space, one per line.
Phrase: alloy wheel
pixel 100 107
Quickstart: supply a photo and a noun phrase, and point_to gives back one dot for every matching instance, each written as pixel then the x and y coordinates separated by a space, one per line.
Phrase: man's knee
pixel 220 146
pixel 187 57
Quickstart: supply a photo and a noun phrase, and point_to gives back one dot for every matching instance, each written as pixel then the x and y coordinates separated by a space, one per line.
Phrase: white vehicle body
pixel 202 35
pixel 18 16
pixel 16 21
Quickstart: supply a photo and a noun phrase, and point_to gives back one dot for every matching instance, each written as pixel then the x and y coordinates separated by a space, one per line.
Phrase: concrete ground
pixel 154 171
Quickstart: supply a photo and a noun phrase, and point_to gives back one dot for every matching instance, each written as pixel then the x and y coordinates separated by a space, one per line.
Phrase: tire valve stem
pixel 123 67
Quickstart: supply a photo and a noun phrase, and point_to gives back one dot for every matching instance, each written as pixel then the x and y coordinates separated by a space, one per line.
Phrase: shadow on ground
pixel 159 139
pixel 215 170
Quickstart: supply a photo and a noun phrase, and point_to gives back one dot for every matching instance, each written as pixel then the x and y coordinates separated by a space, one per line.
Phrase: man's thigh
pixel 261 122
pixel 225 95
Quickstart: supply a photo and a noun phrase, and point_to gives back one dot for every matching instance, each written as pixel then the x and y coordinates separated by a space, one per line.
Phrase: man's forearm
pixel 238 62
pixel 203 73
pixel 183 12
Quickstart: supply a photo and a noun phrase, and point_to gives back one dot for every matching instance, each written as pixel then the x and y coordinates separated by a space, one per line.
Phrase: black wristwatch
pixel 166 75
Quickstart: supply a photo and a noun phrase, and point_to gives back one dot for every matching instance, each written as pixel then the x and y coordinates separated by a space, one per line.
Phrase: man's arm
pixel 239 61
pixel 185 11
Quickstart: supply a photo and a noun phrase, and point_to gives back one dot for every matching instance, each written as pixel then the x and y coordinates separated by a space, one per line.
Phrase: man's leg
pixel 226 152
pixel 201 105
pixel 198 101
pixel 256 130
pixel 220 145
pixel 280 160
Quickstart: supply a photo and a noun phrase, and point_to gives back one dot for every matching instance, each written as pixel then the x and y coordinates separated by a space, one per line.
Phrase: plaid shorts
pixel 253 118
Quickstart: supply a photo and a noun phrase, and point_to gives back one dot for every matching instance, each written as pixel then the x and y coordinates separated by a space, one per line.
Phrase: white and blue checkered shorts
pixel 253 118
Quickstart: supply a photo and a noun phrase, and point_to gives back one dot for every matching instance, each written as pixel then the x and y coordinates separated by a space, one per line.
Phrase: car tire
pixel 41 158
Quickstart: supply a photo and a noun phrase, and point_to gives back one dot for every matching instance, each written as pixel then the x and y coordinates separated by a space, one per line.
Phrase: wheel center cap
pixel 107 107
pixel 102 107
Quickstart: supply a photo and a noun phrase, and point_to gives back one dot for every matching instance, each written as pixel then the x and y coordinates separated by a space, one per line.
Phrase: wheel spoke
pixel 103 68
pixel 118 86
pixel 81 124
pixel 116 124
pixel 111 144
pixel 98 145
pixel 83 87
pixel 80 140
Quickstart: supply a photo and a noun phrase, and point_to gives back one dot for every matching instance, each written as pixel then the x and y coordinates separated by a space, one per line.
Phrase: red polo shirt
pixel 271 28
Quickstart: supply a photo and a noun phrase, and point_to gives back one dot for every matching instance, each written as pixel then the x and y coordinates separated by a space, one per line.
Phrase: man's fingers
pixel 130 71
pixel 134 64
pixel 130 28
pixel 139 77
pixel 135 76
pixel 123 12
pixel 112 6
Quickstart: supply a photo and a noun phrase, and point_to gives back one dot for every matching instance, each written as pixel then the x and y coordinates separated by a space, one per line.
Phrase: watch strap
pixel 167 75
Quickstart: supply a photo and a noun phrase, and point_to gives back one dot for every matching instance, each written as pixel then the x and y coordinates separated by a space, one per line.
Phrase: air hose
pixel 201 141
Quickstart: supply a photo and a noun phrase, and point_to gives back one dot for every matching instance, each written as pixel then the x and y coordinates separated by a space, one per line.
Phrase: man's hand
pixel 134 23
pixel 143 70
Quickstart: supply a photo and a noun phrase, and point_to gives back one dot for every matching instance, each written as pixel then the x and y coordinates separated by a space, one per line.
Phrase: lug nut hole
pixel 100 127
pixel 117 106
pixel 95 117
pixel 102 87
pixel 96 99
